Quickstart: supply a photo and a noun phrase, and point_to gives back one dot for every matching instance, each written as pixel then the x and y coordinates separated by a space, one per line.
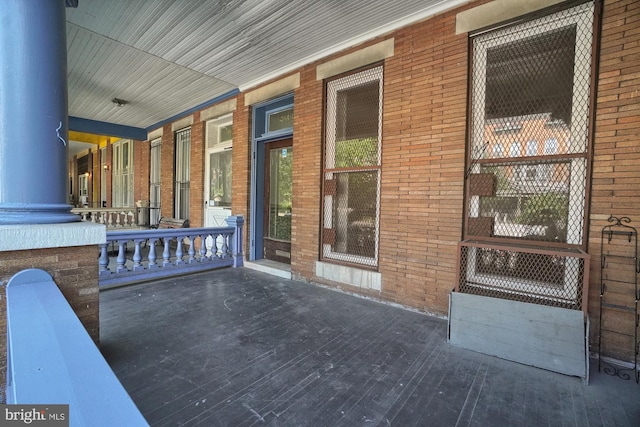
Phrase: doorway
pixel 278 197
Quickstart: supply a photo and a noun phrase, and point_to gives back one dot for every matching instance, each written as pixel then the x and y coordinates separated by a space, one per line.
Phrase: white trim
pixel 272 90
pixel 155 134
pixel 497 11
pixel 182 123
pixel 219 110
pixel 38 236
pixel 360 58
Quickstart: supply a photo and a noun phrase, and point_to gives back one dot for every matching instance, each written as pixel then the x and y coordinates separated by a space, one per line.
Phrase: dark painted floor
pixel 236 347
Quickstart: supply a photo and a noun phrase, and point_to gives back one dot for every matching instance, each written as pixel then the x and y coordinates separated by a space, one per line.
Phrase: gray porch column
pixel 33 113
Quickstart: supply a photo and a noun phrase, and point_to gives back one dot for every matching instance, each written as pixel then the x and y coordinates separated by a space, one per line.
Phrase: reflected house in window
pixel 532 184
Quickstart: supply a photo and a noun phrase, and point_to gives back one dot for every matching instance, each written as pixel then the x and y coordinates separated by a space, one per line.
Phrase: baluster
pixel 118 222
pixel 214 246
pixel 94 217
pixel 209 242
pixel 179 252
pixel 131 219
pixel 166 254
pixel 103 261
pixel 121 259
pixel 152 254
pixel 192 249
pixel 136 255
pixel 109 219
pixel 224 251
pixel 203 247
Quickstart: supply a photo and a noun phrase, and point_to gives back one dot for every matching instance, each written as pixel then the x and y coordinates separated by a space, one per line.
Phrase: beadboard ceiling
pixel 165 57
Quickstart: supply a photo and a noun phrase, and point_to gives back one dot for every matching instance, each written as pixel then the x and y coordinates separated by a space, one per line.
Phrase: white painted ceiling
pixel 165 57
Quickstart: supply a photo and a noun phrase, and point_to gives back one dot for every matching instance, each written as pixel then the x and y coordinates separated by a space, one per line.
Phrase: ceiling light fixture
pixel 119 102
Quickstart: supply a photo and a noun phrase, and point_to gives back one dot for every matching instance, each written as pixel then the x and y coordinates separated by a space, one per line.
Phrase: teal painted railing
pixel 52 360
pixel 139 255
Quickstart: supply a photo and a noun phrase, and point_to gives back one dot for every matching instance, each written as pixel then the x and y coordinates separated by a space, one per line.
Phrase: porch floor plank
pixel 238 347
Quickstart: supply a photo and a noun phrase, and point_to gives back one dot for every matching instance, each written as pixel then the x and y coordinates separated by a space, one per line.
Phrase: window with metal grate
pixel 351 186
pixel 530 94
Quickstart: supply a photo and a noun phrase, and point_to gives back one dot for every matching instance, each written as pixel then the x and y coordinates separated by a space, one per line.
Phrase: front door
pixel 217 193
pixel 277 200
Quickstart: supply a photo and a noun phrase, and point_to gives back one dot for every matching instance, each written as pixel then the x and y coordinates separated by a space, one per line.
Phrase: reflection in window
pixel 551 146
pixel 220 178
pixel 514 150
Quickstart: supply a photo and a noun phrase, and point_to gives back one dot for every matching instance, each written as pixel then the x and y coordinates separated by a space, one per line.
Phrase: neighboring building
pixel 365 169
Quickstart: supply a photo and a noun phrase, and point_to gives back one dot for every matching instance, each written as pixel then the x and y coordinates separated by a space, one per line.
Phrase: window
pixel 183 150
pixel 122 175
pixel 514 151
pixel 532 148
pixel 219 146
pixel 155 180
pixel 551 146
pixel 536 75
pixel 280 119
pixel 352 168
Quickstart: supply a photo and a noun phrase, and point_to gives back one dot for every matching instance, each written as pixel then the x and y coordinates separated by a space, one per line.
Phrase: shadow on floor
pixel 237 347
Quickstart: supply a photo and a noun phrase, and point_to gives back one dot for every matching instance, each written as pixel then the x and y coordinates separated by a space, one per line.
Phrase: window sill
pixel 360 278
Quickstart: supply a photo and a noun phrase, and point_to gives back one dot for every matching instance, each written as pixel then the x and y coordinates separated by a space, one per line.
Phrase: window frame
pixel 122 174
pixel 214 145
pixel 182 172
pixel 155 179
pixel 329 169
pixel 578 150
pixel 578 153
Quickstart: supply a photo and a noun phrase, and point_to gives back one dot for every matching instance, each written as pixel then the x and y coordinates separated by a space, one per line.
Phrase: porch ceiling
pixel 165 57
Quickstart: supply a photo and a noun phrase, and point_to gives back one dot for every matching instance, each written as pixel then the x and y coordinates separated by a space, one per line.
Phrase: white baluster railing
pixel 111 217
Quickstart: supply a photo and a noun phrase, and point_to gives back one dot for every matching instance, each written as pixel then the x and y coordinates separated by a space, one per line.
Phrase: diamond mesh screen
pixel 528 157
pixel 352 167
pixel 530 104
pixel 555 279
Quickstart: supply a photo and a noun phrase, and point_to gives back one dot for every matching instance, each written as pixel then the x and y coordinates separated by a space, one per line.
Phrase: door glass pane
pixel 280 197
pixel 220 178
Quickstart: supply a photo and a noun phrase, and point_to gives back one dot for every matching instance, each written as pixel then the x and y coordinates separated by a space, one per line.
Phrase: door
pixel 83 190
pixel 217 205
pixel 218 188
pixel 278 201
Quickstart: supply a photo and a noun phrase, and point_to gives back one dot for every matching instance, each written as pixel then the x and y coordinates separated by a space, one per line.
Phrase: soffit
pixel 165 57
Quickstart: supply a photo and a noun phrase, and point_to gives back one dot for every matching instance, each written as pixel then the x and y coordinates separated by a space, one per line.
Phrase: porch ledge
pixel 39 236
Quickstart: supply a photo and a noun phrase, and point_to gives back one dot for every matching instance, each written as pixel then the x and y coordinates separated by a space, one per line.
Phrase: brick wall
pixel 424 122
pixel 307 166
pixel 423 163
pixel 167 171
pixel 241 161
pixel 196 177
pixel 616 176
pixel 423 158
pixel 141 164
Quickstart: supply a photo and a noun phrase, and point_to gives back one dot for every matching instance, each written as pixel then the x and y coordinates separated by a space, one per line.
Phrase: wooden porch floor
pixel 237 347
